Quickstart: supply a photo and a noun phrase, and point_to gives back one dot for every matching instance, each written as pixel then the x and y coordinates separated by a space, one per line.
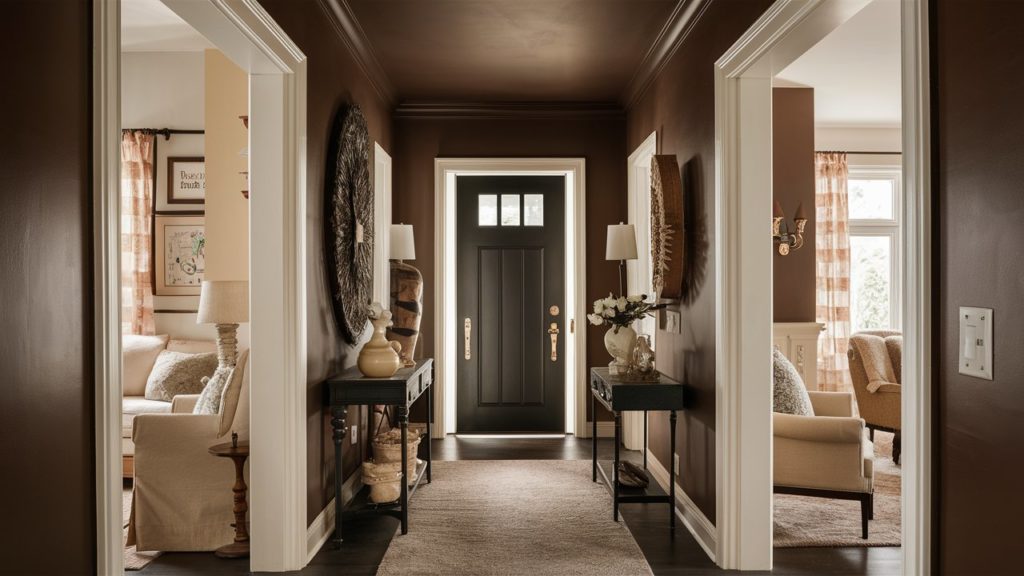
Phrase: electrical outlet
pixel 354 435
pixel 672 321
pixel 675 463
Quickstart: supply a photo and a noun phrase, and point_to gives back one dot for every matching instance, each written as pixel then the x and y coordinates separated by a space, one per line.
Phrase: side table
pixel 238 452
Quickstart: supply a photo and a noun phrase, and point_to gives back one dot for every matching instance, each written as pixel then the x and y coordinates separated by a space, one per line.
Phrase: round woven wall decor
pixel 349 225
pixel 667 240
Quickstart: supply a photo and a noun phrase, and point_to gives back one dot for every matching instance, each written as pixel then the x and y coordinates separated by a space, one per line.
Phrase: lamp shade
pixel 621 242
pixel 224 302
pixel 402 245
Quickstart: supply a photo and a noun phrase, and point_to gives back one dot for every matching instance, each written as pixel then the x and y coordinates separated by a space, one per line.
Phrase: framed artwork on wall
pixel 180 254
pixel 186 180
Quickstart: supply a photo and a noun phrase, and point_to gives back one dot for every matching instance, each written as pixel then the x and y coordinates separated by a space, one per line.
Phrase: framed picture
pixel 180 254
pixel 186 180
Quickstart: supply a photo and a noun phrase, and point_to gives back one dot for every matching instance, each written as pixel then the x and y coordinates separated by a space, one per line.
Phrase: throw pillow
pixel 179 373
pixel 790 394
pixel 213 389
pixel 138 353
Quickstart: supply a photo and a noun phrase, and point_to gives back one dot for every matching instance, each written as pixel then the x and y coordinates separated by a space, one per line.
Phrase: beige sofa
pixel 826 455
pixel 138 356
pixel 182 498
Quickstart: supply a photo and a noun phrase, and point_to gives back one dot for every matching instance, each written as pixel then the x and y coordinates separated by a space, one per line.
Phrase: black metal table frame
pixel 618 498
pixel 338 428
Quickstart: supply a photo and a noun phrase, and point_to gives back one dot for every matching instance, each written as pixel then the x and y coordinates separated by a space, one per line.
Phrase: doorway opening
pixel 565 342
pixel 744 82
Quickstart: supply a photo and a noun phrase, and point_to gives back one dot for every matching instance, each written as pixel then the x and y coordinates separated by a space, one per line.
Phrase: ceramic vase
pixel 619 342
pixel 379 358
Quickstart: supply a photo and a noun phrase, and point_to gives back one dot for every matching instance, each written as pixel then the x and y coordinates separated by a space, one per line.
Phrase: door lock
pixel 467 327
pixel 553 331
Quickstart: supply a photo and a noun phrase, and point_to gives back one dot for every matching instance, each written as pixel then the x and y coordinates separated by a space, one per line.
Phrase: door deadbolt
pixel 553 310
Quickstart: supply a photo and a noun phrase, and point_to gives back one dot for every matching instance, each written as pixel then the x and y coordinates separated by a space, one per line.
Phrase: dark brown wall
pixel 599 139
pixel 680 106
pixel 335 81
pixel 979 144
pixel 793 183
pixel 46 350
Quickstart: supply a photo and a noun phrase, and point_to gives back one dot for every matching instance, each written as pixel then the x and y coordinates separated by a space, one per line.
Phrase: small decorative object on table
pixel 620 339
pixel 379 358
pixel 641 362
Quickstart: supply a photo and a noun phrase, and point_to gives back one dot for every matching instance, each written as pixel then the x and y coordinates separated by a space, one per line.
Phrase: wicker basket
pixel 387 447
pixel 384 480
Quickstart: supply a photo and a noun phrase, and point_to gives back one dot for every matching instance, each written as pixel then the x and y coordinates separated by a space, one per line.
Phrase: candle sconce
pixel 788 238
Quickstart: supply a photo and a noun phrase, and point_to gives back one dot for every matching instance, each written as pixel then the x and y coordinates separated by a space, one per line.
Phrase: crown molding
pixel 351 33
pixel 680 23
pixel 500 110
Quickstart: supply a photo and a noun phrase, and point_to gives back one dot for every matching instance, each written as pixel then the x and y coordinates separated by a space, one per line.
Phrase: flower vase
pixel 619 342
pixel 379 358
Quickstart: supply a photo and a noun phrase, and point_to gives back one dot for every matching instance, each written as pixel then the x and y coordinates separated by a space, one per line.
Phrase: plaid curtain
pixel 833 270
pixel 136 232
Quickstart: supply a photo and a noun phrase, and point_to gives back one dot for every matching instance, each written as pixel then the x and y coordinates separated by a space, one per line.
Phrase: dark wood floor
pixel 669 553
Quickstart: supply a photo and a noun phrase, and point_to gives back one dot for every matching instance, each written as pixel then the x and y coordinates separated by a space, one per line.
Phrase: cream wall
pixel 227 211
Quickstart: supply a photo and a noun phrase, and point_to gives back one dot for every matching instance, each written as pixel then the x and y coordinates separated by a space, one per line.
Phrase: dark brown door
pixel 511 290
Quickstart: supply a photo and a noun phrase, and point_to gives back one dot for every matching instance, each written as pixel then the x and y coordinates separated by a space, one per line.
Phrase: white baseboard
pixel 696 522
pixel 323 525
pixel 605 429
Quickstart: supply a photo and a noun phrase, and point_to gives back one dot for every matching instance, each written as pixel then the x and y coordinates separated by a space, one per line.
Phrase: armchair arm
pixel 889 389
pixel 831 403
pixel 822 429
pixel 184 403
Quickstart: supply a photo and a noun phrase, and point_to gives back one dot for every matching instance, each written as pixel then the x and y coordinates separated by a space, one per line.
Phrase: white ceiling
pixel 855 70
pixel 150 26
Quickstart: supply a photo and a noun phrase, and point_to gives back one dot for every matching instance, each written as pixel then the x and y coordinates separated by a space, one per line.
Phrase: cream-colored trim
pixel 798 341
pixel 323 525
pixel 917 292
pixel 445 332
pixel 702 529
pixel 381 225
pixel 743 83
pixel 107 282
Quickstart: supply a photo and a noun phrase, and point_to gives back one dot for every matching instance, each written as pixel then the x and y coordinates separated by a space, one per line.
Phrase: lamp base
pixel 227 345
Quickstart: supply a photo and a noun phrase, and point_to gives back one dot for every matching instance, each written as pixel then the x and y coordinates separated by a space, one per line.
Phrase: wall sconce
pixel 787 238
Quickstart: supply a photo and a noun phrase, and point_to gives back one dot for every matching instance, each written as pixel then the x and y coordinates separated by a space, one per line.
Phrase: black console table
pixel 619 396
pixel 351 388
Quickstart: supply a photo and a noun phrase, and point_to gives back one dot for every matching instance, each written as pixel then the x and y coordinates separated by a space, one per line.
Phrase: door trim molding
pixel 743 80
pixel 445 328
pixel 244 31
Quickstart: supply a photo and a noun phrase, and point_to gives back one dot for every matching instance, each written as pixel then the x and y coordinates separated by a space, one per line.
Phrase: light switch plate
pixel 354 435
pixel 672 321
pixel 976 332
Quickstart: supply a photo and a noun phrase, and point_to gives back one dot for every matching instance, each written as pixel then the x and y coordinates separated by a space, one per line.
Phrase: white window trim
pixel 889 228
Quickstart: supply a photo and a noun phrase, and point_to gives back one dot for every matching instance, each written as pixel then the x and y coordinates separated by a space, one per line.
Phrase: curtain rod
pixel 167 132
pixel 862 152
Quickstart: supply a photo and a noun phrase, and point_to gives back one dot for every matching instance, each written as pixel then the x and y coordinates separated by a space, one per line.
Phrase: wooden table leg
pixel 430 422
pixel 240 547
pixel 403 420
pixel 672 470
pixel 593 436
pixel 615 465
pixel 645 439
pixel 338 434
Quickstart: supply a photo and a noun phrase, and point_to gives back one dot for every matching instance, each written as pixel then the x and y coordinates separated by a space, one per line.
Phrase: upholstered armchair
pixel 182 498
pixel 825 455
pixel 880 408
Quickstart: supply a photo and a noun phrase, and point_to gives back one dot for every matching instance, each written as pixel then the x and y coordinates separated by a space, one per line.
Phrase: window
pixel 487 210
pixel 874 204
pixel 510 209
pixel 515 209
pixel 533 209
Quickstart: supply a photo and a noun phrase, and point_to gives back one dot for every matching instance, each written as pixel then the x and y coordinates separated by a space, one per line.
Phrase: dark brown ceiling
pixel 511 50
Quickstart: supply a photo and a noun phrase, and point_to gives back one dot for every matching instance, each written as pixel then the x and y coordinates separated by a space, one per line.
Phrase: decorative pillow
pixel 231 397
pixel 790 394
pixel 213 389
pixel 179 373
pixel 138 353
pixel 191 346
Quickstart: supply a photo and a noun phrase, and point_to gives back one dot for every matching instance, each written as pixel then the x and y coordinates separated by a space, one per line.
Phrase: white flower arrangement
pixel 621 311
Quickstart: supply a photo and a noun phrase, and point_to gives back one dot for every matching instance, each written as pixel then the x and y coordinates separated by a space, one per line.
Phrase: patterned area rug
pixel 133 559
pixel 803 521
pixel 531 517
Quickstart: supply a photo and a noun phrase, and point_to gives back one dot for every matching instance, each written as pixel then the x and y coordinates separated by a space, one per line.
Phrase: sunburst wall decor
pixel 667 239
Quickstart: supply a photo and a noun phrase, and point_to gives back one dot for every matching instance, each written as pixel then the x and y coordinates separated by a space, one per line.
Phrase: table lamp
pixel 621 246
pixel 226 304
pixel 406 293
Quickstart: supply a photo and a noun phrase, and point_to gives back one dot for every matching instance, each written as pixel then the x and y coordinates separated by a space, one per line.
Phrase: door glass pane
pixel 871 199
pixel 510 209
pixel 533 209
pixel 870 282
pixel 487 210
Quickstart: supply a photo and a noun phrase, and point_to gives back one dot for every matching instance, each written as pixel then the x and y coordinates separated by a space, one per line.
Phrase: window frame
pixel 881 227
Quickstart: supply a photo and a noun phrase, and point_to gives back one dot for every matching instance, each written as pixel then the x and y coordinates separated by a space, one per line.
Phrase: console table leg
pixel 645 439
pixel 615 465
pixel 672 471
pixel 403 420
pixel 430 422
pixel 338 434
pixel 593 438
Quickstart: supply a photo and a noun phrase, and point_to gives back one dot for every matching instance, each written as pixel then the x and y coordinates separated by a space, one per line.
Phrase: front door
pixel 511 291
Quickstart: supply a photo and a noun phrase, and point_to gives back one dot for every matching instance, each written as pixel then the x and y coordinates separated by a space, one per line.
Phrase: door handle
pixel 553 331
pixel 467 327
